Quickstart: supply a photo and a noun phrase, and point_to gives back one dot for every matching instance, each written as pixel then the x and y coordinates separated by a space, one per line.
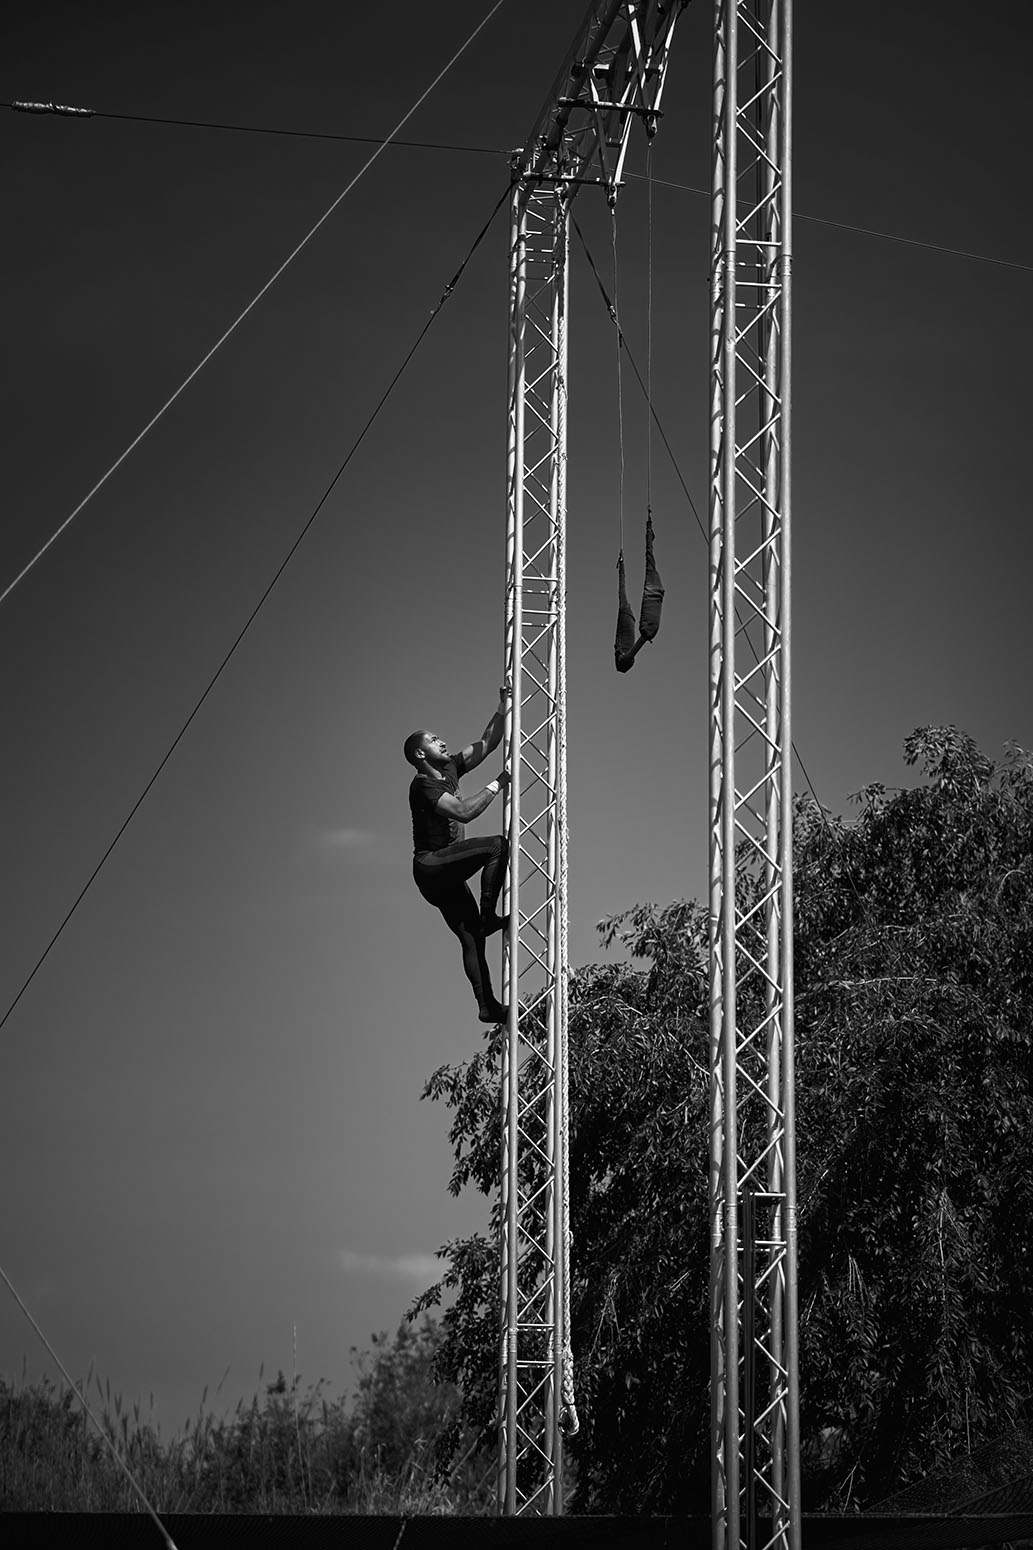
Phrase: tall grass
pixel 287 1451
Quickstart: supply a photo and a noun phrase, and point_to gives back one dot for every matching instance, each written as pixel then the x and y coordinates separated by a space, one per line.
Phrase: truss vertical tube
pixel 791 1307
pixel 753 1286
pixel 562 1381
pixel 534 1342
pixel 767 193
pixel 724 1225
pixel 552 1442
pixel 715 664
pixel 509 1192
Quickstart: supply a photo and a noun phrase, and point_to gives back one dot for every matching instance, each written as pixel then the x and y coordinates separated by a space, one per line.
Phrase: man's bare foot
pixel 493 923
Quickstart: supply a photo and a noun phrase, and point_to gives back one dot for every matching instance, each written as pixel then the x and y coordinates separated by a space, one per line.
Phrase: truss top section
pixel 613 73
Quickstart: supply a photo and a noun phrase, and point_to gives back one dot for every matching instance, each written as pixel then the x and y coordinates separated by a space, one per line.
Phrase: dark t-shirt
pixel 432 830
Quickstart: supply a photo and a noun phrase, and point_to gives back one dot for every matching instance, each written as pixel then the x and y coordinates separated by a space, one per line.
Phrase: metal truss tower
pixel 614 73
pixel 756 1495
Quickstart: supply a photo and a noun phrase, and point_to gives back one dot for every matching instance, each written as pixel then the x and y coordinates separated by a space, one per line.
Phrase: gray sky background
pixel 209 1113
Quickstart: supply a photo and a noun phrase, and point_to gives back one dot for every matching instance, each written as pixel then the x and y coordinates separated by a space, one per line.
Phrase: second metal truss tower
pixel 614 73
pixel 756 1496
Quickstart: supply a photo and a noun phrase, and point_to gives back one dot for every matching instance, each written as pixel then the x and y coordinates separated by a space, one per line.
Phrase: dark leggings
pixel 441 876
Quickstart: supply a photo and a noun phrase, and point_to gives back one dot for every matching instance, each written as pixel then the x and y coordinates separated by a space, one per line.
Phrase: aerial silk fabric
pixel 625 646
pixel 624 643
pixel 652 590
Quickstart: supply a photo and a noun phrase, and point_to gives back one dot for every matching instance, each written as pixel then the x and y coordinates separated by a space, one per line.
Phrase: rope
pixel 623 343
pixel 569 1423
pixel 81 1397
pixel 252 303
pixel 446 293
pixel 620 387
pixel 568 1413
pixel 649 325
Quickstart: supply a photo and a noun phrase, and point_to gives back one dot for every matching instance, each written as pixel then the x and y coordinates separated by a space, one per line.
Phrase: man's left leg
pixel 461 914
pixel 460 861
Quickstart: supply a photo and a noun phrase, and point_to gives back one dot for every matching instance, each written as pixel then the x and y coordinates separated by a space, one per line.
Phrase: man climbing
pixel 443 860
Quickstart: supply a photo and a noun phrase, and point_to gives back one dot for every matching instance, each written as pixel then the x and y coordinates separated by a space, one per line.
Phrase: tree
pixel 916 957
pixel 914 978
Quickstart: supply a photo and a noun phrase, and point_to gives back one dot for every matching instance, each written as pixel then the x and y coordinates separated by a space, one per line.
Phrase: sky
pixel 210 1117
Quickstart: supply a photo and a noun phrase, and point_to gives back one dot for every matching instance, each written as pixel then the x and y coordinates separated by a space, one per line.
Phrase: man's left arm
pixel 473 754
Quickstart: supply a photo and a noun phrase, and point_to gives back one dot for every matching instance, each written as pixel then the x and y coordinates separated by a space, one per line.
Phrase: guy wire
pixel 382 145
pixel 79 1392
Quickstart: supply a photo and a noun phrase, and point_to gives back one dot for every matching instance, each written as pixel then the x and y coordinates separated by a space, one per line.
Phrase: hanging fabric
pixel 652 589
pixel 624 647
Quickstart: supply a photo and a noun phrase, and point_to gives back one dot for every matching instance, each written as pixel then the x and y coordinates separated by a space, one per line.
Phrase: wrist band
pixel 493 787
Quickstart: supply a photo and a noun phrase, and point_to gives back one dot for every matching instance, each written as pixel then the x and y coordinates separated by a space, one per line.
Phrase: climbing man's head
pixel 422 748
pixel 414 747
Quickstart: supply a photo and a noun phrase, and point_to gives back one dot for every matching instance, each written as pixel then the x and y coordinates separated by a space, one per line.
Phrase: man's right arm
pixel 466 809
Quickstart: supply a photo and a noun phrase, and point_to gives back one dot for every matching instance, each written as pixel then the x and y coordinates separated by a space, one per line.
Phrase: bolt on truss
pixel 613 75
pixel 755 1429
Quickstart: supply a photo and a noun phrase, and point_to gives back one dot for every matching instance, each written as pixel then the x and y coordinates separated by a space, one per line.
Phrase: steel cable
pixel 252 303
pixel 483 150
pixel 81 1397
pixel 866 231
pixel 247 129
pixel 446 293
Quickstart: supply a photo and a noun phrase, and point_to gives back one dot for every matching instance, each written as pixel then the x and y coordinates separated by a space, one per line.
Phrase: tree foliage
pixel 914 1021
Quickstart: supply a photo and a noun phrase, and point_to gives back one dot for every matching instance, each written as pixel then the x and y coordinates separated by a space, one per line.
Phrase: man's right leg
pixel 463 918
pixel 491 885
